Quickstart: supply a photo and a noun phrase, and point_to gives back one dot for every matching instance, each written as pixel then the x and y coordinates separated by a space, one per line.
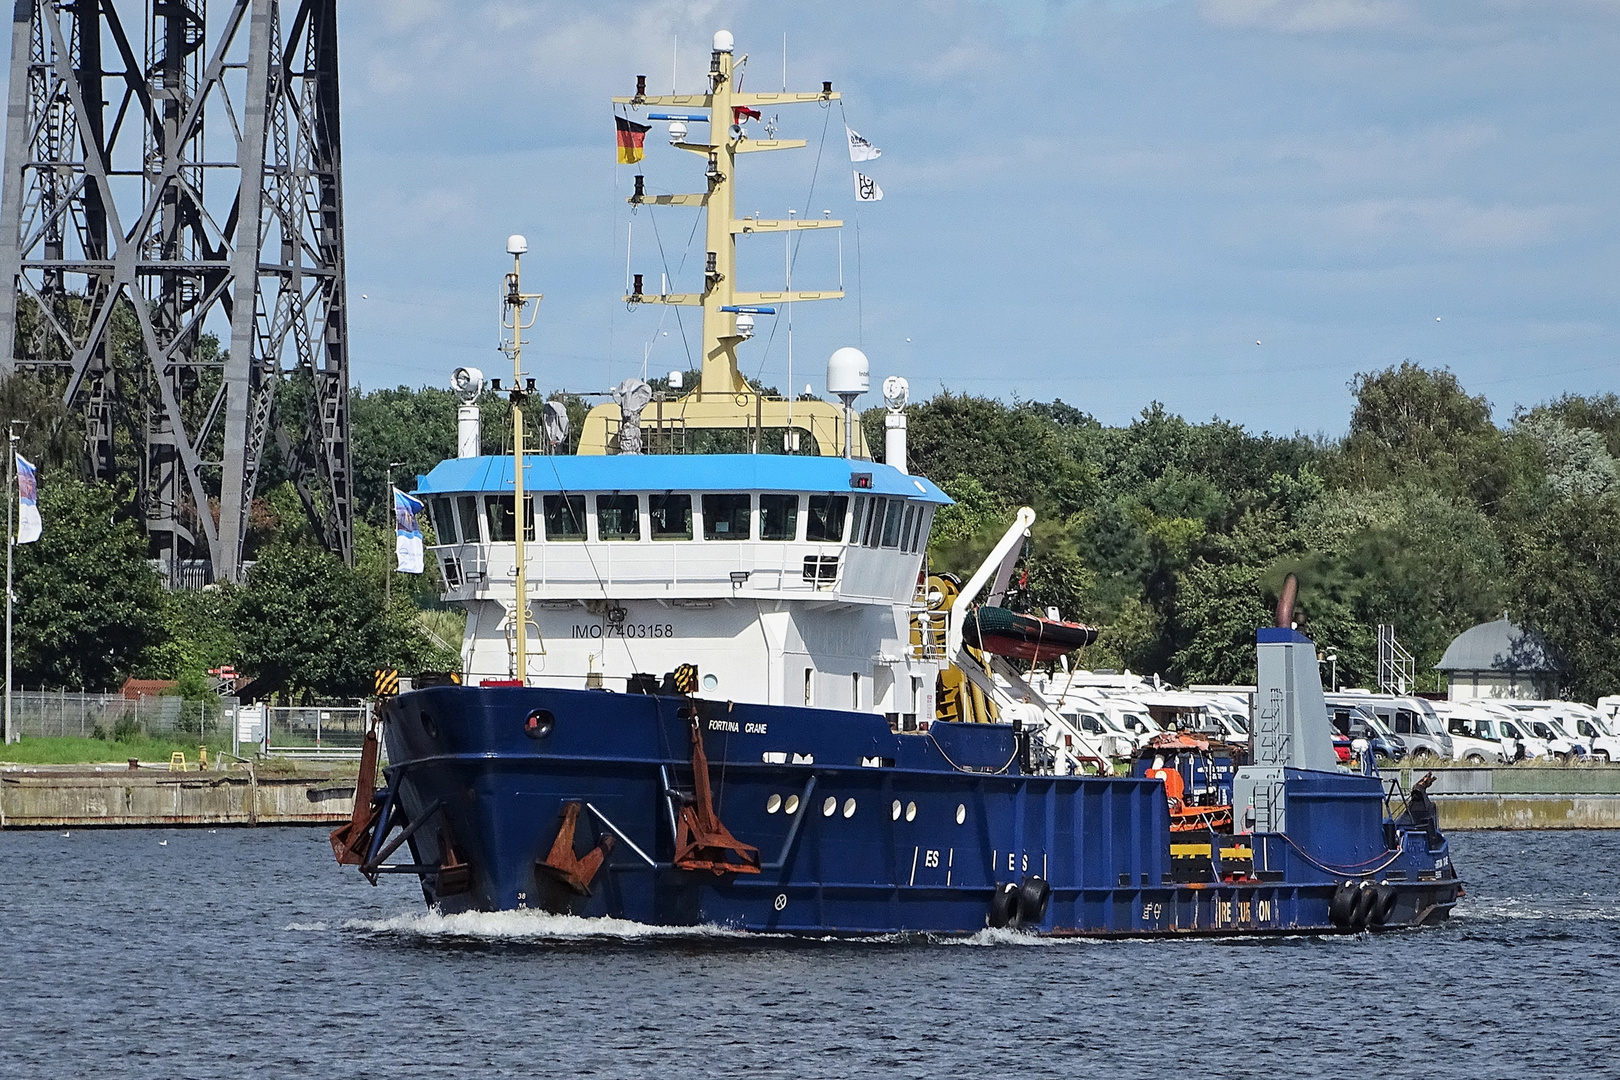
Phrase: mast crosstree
pixel 723 398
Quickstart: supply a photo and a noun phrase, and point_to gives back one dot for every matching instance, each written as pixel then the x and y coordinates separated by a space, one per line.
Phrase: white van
pixel 1598 731
pixel 1546 723
pixel 1590 729
pixel 1535 738
pixel 1474 735
pixel 1413 719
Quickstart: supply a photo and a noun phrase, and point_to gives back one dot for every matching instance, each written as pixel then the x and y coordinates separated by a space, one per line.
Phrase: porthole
pixel 911 811
pixel 711 681
pixel 961 813
pixel 830 807
pixel 849 808
pixel 791 806
pixel 894 811
pixel 537 725
pixel 773 804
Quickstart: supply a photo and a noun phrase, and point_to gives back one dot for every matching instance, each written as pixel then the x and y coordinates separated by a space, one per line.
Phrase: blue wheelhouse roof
pixel 675 472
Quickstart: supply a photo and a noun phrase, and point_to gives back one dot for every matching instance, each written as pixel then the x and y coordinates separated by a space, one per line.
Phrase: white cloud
pixel 1384 156
pixel 1449 221
pixel 1303 16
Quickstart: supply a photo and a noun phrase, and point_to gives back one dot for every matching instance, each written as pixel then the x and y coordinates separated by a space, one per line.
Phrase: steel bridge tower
pixel 171 255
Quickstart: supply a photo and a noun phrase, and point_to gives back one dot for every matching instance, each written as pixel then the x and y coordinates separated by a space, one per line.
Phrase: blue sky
pixel 1107 202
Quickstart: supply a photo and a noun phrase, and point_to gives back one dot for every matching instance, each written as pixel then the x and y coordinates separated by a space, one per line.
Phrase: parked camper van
pixel 1413 719
pixel 1475 738
pixel 1360 722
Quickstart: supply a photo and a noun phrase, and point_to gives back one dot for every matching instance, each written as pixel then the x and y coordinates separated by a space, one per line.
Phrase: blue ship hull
pixel 860 830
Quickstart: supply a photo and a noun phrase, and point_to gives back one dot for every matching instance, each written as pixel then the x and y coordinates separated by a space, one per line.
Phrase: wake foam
pixel 989 937
pixel 529 925
pixel 1551 909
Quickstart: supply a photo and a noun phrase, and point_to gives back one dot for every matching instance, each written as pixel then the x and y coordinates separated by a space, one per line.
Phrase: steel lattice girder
pixel 79 239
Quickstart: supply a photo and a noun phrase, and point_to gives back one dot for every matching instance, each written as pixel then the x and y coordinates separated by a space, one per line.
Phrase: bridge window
pixel 725 517
pixel 778 517
pixel 826 520
pixel 565 517
pixel 908 529
pixel 670 516
pixel 618 517
pixel 498 509
pixel 872 530
pixel 860 518
pixel 467 511
pixel 891 523
pixel 444 521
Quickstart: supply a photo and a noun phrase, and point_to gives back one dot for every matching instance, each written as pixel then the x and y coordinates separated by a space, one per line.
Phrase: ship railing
pixel 720 570
pixel 1075 746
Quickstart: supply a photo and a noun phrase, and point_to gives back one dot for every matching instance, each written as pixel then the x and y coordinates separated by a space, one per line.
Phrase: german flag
pixel 631 137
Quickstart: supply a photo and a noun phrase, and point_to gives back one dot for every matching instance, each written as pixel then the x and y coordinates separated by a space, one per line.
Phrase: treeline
pixel 1172 536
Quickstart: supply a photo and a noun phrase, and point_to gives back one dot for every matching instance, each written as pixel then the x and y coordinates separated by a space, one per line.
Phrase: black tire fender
pixel 1384 904
pixel 1034 896
pixel 1342 906
pixel 1366 899
pixel 1003 905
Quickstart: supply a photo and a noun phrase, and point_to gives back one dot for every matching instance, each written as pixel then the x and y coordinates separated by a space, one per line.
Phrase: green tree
pixel 199 634
pixel 88 605
pixel 1566 579
pixel 414 427
pixel 1413 424
pixel 1013 452
pixel 309 624
pixel 1574 461
pixel 1406 556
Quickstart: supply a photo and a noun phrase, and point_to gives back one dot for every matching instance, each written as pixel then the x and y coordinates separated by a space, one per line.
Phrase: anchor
pixel 573 871
pixel 351 841
pixel 701 841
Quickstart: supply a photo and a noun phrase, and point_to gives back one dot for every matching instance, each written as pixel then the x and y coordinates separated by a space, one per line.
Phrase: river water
pixel 249 953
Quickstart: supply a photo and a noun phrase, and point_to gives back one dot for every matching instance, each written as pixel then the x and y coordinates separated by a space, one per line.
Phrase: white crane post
pixel 998 564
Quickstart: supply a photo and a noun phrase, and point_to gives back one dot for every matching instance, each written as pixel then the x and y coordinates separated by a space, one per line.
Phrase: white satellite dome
pixel 723 41
pixel 848 372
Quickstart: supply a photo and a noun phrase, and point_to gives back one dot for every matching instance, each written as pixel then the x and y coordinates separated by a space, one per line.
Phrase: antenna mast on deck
pixel 723 398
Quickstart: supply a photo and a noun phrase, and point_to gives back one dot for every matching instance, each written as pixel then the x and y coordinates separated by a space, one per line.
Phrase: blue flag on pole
pixel 409 531
pixel 28 524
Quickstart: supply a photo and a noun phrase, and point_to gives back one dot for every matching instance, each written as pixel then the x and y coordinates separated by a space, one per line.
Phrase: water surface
pixel 249 953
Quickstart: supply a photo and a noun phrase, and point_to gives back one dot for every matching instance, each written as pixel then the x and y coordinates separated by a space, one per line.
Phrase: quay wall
pixel 1524 797
pixel 1464 812
pixel 54 799
pixel 45 798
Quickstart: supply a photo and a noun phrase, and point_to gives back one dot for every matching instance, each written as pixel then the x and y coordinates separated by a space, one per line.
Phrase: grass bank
pixel 73 750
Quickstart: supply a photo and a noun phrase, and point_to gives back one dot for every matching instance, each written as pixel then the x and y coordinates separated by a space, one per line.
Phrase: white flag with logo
pixel 408 529
pixel 866 189
pixel 28 525
pixel 860 148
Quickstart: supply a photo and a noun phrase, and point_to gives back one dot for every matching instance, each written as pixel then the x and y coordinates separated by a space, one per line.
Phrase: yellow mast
pixel 723 398
pixel 512 319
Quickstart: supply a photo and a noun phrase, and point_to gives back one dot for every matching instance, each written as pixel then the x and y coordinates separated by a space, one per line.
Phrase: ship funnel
pixel 1290 724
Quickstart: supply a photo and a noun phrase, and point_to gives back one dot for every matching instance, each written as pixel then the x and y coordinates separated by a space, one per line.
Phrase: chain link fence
pixel 74 713
pixel 327 730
